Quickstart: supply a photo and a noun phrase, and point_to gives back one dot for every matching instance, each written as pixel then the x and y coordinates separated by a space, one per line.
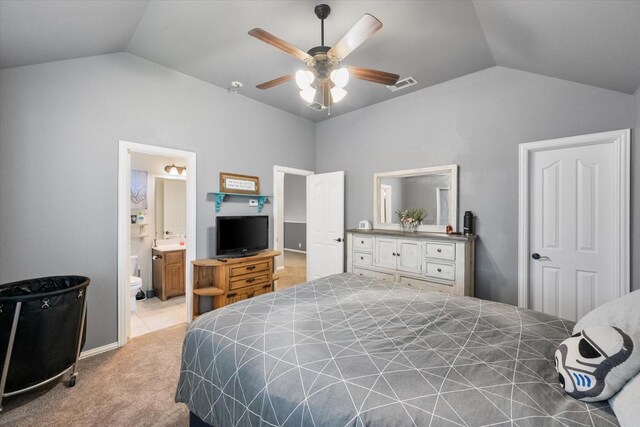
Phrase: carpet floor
pixel 132 386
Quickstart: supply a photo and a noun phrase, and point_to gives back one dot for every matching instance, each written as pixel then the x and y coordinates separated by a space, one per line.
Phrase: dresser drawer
pixel 440 271
pixel 387 277
pixel 440 250
pixel 248 268
pixel 249 280
pixel 362 258
pixel 362 242
pixel 426 285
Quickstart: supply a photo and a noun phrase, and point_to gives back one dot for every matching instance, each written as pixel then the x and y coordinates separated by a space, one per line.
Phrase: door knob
pixel 339 239
pixel 537 256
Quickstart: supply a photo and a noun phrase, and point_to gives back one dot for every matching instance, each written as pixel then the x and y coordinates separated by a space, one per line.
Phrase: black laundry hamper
pixel 42 331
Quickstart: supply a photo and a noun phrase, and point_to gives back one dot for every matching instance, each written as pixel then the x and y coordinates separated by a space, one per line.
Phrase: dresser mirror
pixel 434 189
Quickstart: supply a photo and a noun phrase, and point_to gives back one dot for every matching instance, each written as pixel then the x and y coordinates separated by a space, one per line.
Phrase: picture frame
pixel 239 184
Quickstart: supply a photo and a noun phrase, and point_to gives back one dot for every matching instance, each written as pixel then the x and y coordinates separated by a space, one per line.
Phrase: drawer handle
pixel 394 254
pixel 231 295
pixel 266 286
pixel 439 270
pixel 251 267
pixel 251 280
pixel 439 250
pixel 362 241
pixel 362 258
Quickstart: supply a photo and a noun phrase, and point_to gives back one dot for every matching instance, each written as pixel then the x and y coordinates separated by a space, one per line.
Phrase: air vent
pixel 316 106
pixel 402 84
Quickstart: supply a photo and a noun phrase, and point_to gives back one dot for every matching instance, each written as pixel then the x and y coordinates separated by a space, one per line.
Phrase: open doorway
pixel 158 243
pixel 290 217
pixel 156 238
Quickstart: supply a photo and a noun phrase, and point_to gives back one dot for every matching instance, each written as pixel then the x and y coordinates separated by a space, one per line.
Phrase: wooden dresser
pixel 433 261
pixel 232 280
pixel 168 273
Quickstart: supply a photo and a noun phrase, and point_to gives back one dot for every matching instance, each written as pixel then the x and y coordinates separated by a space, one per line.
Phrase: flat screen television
pixel 241 235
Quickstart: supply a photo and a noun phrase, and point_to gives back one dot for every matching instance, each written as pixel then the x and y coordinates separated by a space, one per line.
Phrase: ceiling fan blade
pixel 266 37
pixel 275 82
pixel 358 34
pixel 374 76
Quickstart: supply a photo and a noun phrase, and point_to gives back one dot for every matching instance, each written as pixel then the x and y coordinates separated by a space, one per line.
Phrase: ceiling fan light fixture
pixel 308 94
pixel 340 77
pixel 304 78
pixel 337 93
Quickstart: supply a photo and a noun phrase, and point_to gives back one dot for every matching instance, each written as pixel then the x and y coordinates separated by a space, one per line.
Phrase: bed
pixel 348 350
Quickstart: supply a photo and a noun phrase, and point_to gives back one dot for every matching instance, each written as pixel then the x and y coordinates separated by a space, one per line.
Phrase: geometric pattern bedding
pixel 348 350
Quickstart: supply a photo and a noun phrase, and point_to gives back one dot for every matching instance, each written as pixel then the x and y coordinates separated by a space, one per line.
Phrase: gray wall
pixel 295 197
pixel 295 212
pixel 477 122
pixel 295 236
pixel 635 197
pixel 59 129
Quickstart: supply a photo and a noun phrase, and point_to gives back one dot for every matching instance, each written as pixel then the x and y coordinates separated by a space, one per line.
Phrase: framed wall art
pixel 239 184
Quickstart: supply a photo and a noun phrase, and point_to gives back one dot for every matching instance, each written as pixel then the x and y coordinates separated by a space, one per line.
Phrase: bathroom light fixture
pixel 172 169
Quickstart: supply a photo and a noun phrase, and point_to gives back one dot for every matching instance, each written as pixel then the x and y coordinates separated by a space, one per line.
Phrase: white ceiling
pixel 591 42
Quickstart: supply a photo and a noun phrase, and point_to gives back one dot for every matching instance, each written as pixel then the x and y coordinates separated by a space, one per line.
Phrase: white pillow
pixel 625 403
pixel 623 313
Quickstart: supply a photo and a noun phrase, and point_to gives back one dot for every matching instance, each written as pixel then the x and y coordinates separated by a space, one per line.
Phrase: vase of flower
pixel 410 219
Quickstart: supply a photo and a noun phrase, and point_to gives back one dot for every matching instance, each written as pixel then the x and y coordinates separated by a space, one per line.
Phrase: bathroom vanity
pixel 168 272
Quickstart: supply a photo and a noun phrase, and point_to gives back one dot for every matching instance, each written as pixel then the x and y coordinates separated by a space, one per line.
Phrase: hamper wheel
pixel 72 381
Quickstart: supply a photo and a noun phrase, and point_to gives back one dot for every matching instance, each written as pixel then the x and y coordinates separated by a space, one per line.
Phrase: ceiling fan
pixel 323 81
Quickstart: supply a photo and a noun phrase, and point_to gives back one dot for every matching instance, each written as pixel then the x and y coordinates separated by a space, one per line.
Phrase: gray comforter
pixel 352 351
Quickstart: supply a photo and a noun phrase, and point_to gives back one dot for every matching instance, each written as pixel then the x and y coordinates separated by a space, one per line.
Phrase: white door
pixel 385 253
pixel 574 212
pixel 175 208
pixel 409 254
pixel 325 224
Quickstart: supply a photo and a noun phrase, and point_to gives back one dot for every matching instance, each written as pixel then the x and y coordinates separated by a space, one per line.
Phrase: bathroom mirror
pixel 434 189
pixel 171 208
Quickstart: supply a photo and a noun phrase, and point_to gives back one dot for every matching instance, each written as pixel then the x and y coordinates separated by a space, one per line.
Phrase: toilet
pixel 134 281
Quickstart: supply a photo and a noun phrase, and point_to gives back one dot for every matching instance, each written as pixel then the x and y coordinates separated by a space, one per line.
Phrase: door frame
pixel 125 149
pixel 620 226
pixel 278 208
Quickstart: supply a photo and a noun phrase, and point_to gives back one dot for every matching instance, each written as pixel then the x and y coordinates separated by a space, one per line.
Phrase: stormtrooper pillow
pixel 595 363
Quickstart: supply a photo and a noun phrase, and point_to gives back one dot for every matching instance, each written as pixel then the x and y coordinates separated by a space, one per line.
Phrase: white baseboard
pixel 98 350
pixel 294 250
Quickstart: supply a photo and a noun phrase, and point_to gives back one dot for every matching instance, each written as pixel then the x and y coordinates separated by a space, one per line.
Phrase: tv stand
pixel 232 279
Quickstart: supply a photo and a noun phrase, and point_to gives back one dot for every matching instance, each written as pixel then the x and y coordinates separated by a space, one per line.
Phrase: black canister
pixel 468 223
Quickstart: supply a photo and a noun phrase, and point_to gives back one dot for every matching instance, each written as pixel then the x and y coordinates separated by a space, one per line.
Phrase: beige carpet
pixel 131 386
pixel 295 270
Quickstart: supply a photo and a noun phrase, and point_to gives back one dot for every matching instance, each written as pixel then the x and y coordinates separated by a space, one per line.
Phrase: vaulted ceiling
pixel 591 42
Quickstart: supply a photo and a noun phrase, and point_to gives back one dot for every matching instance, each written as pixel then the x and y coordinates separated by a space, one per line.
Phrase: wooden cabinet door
pixel 174 276
pixel 385 250
pixel 409 257
pixel 174 279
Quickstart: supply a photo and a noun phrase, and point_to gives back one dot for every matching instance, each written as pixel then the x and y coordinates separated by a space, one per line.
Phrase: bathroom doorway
pixel 290 217
pixel 156 238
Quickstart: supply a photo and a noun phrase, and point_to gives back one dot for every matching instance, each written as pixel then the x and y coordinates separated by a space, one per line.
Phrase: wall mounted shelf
pixel 220 197
pixel 142 231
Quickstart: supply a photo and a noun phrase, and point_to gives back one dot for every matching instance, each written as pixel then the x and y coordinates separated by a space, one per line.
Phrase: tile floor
pixel 152 315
